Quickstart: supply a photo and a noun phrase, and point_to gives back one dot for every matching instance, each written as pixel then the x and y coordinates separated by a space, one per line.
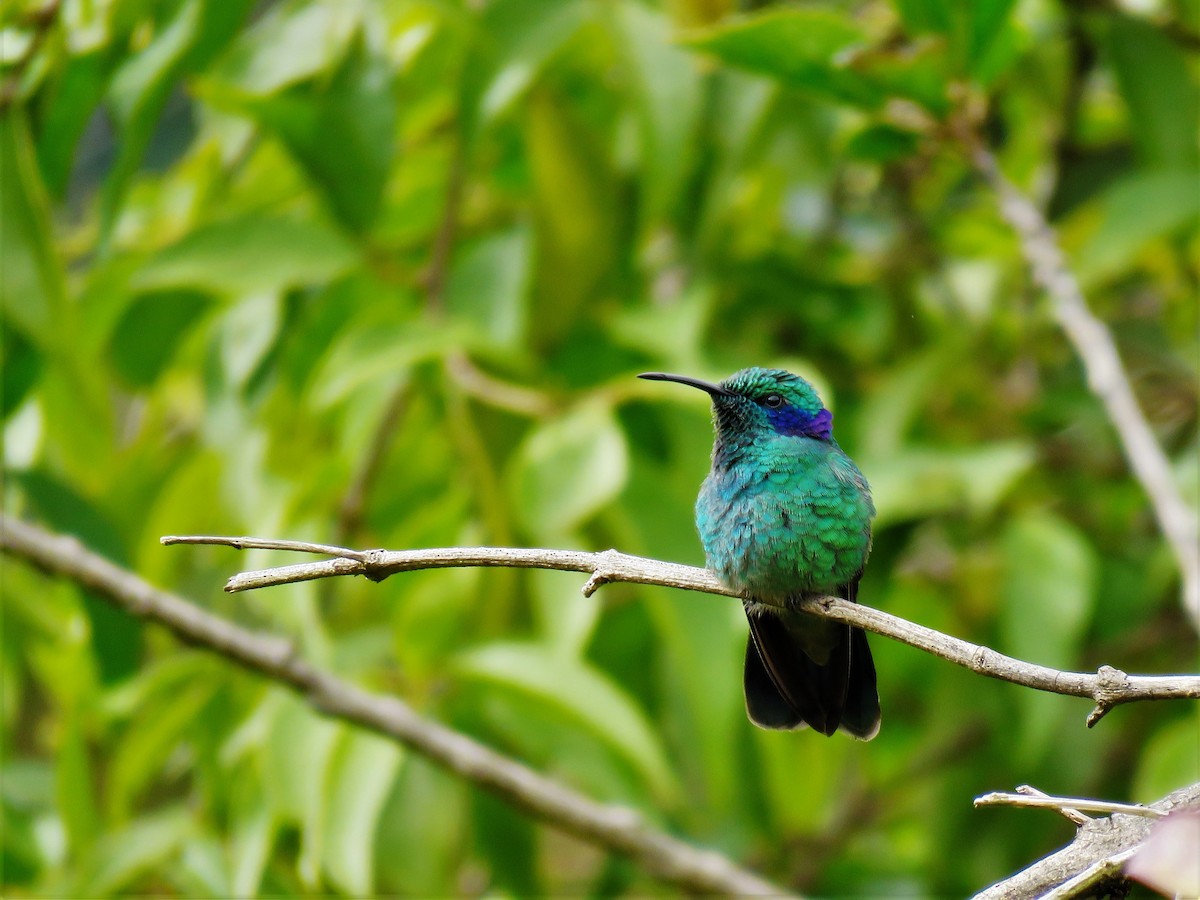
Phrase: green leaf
pixel 22 366
pixel 567 470
pixel 1159 89
pixel 489 285
pixel 297 763
pixel 137 94
pixel 699 678
pixel 668 90
pixel 116 636
pixel 289 44
pixel 366 358
pixel 360 779
pixel 247 333
pixel 151 329
pixel 1133 213
pixel 881 143
pixel 801 47
pixel 517 38
pixel 576 688
pixel 980 34
pixel 1169 760
pixel 138 759
pixel 576 202
pixel 75 96
pixel 567 618
pixel 339 130
pixel 1048 587
pixel 1047 591
pixel 75 789
pixel 33 289
pixel 126 854
pixel 917 482
pixel 252 255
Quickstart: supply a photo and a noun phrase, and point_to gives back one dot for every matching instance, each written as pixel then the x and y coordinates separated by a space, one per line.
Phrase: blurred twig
pixel 1108 687
pixel 1105 373
pixel 350 510
pixel 1098 852
pixel 617 829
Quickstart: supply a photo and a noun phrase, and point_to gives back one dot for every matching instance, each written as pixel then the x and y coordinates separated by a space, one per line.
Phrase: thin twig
pixel 1105 372
pixel 1070 813
pixel 620 830
pixel 999 798
pixel 487 388
pixel 1107 688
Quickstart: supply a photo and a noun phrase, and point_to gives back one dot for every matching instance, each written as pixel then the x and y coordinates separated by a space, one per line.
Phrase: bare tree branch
pixel 617 829
pixel 1099 851
pixel 1108 687
pixel 1105 372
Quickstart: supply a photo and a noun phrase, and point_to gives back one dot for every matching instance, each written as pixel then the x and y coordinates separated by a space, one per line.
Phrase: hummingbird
pixel 785 514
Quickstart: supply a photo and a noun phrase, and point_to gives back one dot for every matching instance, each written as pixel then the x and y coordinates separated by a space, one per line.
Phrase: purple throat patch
pixel 797 423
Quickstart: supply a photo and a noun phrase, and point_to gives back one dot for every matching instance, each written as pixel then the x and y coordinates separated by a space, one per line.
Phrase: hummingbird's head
pixel 755 402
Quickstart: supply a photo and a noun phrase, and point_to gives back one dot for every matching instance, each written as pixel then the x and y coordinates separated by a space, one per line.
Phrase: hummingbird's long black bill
pixel 713 390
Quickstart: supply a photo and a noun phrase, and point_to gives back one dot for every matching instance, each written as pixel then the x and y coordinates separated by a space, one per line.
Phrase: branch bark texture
pixel 1099 851
pixel 1106 374
pixel 617 829
pixel 1107 688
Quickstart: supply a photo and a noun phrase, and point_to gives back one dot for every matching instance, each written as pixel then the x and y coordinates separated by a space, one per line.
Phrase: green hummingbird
pixel 785 514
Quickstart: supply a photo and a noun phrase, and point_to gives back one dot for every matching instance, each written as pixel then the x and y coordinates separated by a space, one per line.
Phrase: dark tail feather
pixel 785 688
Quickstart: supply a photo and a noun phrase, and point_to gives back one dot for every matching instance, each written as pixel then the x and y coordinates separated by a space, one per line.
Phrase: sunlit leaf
pixel 567 469
pixel 1131 215
pixel 802 47
pixel 249 256
pixel 669 88
pixel 925 481
pixel 147 335
pixel 1047 593
pixel 138 92
pixel 360 778
pixel 583 692
pixel 128 853
pixel 1161 92
pixel 489 285
pixel 358 106
pixel 298 757
pixel 33 290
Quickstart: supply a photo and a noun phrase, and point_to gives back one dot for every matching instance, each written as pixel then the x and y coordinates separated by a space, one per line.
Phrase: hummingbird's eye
pixel 774 401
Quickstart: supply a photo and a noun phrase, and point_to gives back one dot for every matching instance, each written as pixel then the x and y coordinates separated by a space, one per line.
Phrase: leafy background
pixel 381 272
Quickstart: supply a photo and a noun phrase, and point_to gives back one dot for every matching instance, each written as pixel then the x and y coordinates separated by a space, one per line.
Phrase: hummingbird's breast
pixel 787 518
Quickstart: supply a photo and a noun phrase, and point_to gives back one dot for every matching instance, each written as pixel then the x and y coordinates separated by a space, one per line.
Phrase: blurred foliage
pixel 255 254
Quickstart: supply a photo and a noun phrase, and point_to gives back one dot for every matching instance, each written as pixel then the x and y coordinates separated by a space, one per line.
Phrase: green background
pixel 254 254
